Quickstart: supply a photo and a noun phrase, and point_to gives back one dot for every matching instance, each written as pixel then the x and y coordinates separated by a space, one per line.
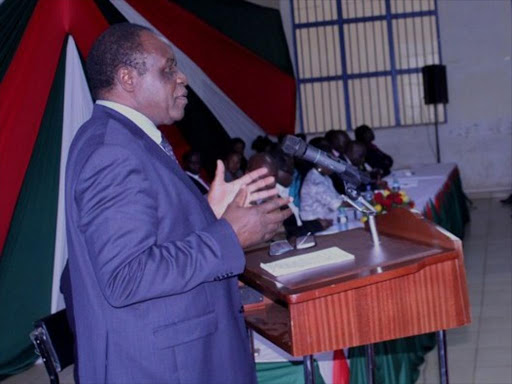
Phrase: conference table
pixel 436 189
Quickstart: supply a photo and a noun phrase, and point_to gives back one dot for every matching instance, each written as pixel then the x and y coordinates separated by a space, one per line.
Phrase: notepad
pixel 307 261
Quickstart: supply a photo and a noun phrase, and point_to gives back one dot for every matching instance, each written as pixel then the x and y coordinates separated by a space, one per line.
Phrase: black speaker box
pixel 435 89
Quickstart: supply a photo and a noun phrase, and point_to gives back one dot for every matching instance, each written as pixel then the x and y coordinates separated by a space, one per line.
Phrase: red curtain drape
pixel 23 95
pixel 26 86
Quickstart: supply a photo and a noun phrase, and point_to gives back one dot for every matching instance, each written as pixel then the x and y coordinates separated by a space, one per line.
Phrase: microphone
pixel 296 147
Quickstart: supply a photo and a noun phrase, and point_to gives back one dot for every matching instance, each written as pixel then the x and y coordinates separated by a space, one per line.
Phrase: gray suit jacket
pixel 153 271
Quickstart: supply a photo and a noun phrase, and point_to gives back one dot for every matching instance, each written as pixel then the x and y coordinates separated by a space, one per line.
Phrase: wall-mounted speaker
pixel 435 89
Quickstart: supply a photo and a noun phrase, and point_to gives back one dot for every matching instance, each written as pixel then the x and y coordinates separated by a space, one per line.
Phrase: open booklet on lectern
pixel 307 261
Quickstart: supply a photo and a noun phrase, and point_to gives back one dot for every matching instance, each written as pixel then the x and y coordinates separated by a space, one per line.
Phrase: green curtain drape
pixel 257 28
pixel 284 372
pixel 14 17
pixel 26 265
pixel 454 212
pixel 397 361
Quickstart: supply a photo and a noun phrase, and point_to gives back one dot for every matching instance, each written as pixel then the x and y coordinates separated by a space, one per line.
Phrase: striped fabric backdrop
pixel 44 98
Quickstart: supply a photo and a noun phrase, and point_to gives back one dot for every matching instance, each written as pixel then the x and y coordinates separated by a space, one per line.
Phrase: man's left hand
pixel 222 194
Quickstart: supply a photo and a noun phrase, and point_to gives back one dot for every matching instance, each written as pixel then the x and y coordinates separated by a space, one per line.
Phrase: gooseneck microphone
pixel 296 147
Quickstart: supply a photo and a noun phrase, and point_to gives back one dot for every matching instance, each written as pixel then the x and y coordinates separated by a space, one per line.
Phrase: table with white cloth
pixel 436 190
pixel 422 183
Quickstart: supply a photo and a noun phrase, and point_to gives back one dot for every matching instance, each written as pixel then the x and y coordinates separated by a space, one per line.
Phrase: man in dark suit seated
pixel 192 167
pixel 375 158
pixel 356 155
pixel 153 263
pixel 338 140
pixel 238 146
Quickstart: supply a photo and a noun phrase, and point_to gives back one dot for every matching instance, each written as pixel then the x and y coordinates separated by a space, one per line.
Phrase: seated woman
pixel 318 198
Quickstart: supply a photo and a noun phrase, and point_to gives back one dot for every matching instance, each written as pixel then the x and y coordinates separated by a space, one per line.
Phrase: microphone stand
pixel 359 203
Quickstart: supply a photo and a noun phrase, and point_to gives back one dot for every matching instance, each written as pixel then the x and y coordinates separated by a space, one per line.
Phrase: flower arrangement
pixel 385 199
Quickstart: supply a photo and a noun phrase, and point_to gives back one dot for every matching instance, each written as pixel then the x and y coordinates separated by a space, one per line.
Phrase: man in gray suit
pixel 153 263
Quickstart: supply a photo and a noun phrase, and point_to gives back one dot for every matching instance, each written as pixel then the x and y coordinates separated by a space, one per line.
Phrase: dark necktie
pixel 167 148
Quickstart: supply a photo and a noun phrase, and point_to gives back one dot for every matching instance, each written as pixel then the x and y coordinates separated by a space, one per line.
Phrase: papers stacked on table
pixel 307 261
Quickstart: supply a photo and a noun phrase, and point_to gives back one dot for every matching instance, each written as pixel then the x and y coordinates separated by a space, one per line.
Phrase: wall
pixel 476 42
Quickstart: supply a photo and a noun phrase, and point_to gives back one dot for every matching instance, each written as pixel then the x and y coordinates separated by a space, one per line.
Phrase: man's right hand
pixel 255 223
pixel 222 193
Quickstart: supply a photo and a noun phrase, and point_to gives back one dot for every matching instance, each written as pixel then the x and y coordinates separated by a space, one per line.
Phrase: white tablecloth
pixel 422 182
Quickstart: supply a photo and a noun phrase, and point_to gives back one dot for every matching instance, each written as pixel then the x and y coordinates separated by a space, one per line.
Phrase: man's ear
pixel 127 78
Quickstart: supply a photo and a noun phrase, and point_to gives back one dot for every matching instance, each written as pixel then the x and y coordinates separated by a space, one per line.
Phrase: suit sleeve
pixel 117 213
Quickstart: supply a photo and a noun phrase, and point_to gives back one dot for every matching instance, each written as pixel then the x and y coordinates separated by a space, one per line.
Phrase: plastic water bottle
pixel 342 219
pixel 395 186
pixel 368 195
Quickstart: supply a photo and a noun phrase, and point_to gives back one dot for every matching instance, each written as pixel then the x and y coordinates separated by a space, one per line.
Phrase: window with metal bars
pixel 359 62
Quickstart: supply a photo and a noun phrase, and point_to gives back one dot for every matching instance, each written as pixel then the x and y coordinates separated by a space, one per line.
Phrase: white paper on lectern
pixel 307 261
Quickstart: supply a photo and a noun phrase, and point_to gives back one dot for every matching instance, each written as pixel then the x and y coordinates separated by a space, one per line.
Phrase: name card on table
pixel 307 261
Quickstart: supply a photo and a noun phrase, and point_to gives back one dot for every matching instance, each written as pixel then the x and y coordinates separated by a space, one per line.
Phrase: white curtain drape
pixel 77 109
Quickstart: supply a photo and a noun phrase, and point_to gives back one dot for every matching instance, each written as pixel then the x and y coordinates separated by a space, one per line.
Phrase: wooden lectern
pixel 412 283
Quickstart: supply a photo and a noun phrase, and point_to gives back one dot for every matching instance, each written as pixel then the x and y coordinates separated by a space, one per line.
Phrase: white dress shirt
pixel 138 118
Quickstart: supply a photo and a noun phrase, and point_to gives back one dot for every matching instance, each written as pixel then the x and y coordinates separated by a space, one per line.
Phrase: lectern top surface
pixel 392 257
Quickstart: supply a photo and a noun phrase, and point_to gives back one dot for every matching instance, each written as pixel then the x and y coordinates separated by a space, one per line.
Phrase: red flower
pixel 378 197
pixel 387 203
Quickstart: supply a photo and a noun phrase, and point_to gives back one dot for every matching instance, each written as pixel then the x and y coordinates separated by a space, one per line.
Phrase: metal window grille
pixel 359 62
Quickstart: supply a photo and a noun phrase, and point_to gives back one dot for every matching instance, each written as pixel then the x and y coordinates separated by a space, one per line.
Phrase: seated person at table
pixel 318 198
pixel 288 166
pixel 238 146
pixel 232 166
pixel 301 166
pixel 375 158
pixel 356 154
pixel 262 144
pixel 263 160
pixel 338 140
pixel 192 167
pixel 294 226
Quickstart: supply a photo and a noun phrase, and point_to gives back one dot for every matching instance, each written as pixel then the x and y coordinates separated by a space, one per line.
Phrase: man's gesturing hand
pixel 254 224
pixel 221 193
